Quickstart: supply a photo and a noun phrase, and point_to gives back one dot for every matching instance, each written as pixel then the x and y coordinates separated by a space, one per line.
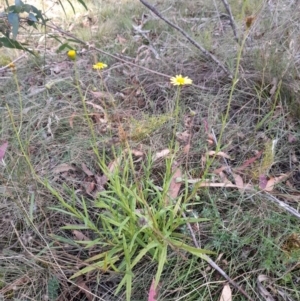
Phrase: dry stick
pixel 232 23
pixel 14 61
pixel 215 266
pixel 203 50
pixel 281 204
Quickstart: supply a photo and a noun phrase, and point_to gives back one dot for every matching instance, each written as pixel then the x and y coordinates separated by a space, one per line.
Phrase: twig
pixel 203 50
pixel 215 266
pixel 14 61
pixel 232 23
pixel 283 205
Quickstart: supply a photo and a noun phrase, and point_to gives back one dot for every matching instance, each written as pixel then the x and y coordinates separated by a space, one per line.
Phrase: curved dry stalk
pixel 197 45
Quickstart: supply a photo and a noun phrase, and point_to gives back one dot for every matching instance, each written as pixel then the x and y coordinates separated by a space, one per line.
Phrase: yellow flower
pixel 179 80
pixel 72 54
pixel 99 65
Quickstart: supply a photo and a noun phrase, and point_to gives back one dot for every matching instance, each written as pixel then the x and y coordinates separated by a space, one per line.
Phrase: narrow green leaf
pixel 161 263
pixel 82 3
pixel 13 19
pixel 143 252
pixel 192 250
pixel 32 17
pixel 38 14
pixel 63 240
pixel 113 252
pixel 63 211
pixel 62 6
pixel 113 222
pixel 75 227
pixel 128 276
pixel 74 41
pixel 101 265
pixel 9 43
pixel 122 225
pixel 63 47
pixel 27 8
pixel 71 6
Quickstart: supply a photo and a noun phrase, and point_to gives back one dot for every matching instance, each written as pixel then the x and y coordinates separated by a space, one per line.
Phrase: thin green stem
pixel 224 120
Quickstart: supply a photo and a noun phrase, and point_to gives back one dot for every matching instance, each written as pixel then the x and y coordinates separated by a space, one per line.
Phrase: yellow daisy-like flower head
pixel 179 80
pixel 99 66
pixel 72 54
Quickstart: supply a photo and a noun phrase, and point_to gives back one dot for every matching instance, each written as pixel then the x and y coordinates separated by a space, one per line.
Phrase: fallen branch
pixel 203 50
pixel 215 266
pixel 232 23
pixel 283 205
pixel 247 188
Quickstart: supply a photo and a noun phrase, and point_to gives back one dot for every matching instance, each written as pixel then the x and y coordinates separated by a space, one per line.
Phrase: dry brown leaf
pixel 161 154
pixel 224 178
pixel 274 88
pixel 207 183
pixel 86 170
pixel 137 153
pixel 71 119
pixel 261 288
pixel 183 137
pixel 248 162
pixel 210 139
pixel 220 154
pixel 222 168
pixel 112 165
pixel 174 186
pixel 80 236
pixel 210 142
pixel 97 118
pixel 101 181
pixel 97 107
pixel 3 148
pixel 121 39
pixel 89 187
pixel 238 180
pixel 100 94
pixel 226 293
pixel 273 181
pixel 84 288
pixel 63 168
pixel 186 149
